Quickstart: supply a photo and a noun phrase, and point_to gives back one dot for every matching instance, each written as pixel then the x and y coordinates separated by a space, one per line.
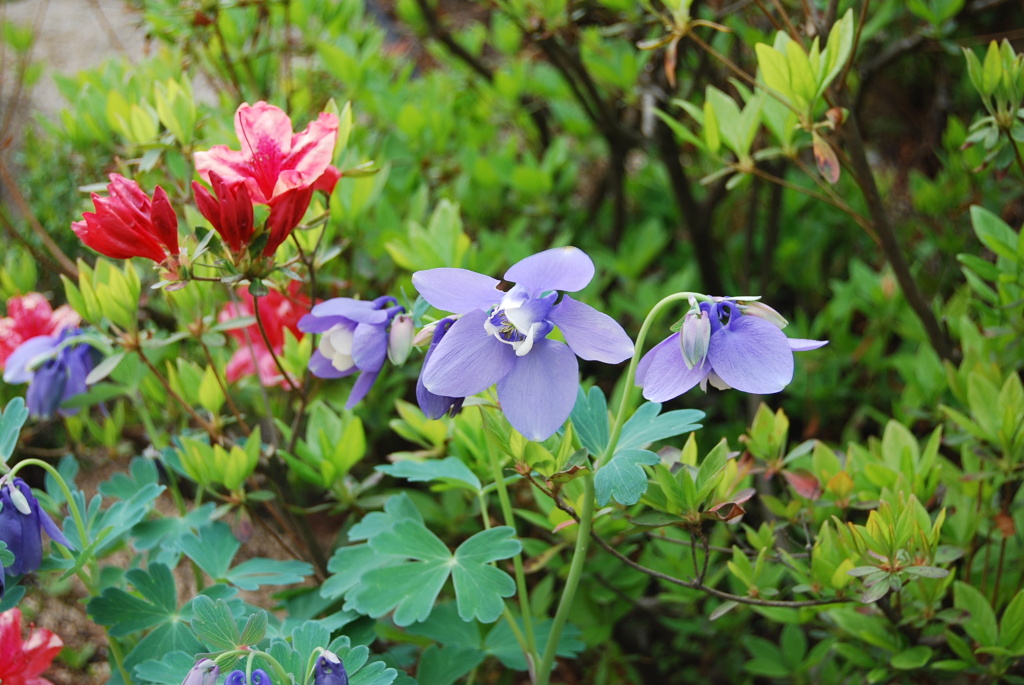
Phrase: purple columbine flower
pixel 205 672
pixel 259 677
pixel 746 350
pixel 329 670
pixel 435 406
pixel 54 371
pixel 22 522
pixel 502 337
pixel 354 339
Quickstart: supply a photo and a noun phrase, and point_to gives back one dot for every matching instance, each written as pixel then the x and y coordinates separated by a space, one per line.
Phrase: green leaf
pixel 449 470
pixel 255 628
pixel 623 477
pixel 500 642
pixel 646 425
pixel 590 419
pixel 126 613
pixel 13 418
pixel 981 621
pixel 909 659
pixel 480 587
pixel 445 665
pixel 1011 628
pixel 168 670
pixel 212 549
pixel 994 233
pixel 214 623
pixel 255 573
pixel 411 587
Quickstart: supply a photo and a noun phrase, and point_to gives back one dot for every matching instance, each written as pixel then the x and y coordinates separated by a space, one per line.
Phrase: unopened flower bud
pixel 694 337
pixel 400 339
pixel 329 670
pixel 205 672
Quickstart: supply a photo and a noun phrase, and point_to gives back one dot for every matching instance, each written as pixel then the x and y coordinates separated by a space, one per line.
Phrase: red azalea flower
pixel 128 224
pixel 30 316
pixel 21 661
pixel 279 312
pixel 230 213
pixel 273 158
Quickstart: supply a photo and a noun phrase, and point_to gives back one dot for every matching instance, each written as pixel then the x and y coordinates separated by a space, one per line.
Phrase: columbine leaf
pixel 623 477
pixel 214 623
pixel 646 425
pixel 410 586
pixel 448 470
pixel 11 421
pixel 479 587
pixel 167 670
pixel 445 665
pixel 212 549
pixel 590 419
pixel 126 613
pixel 254 573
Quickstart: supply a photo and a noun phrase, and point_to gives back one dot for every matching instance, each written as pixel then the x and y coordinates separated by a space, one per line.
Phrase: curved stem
pixel 76 514
pixel 270 348
pixel 579 554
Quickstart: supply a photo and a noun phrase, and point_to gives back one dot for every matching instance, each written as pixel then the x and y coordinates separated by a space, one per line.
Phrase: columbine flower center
pixel 519 320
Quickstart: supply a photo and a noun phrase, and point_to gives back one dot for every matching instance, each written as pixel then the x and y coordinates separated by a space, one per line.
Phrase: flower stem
pixel 76 515
pixel 579 554
pixel 517 560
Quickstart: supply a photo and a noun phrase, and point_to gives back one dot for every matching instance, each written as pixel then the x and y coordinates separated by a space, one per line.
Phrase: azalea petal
pixel 41 648
pixel 369 346
pixel 310 153
pixel 663 373
pixel 539 392
pixel 362 386
pixel 10 633
pixel 467 360
pixel 231 165
pixel 457 290
pixel 591 334
pixel 561 268
pixel 803 344
pixel 321 367
pixel 16 370
pixel 752 355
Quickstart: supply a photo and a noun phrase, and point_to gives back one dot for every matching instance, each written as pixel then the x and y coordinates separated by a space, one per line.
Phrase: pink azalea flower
pixel 22 661
pixel 274 159
pixel 280 312
pixel 30 316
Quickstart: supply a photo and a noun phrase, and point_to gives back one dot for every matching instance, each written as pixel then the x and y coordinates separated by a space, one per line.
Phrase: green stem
pixel 579 554
pixel 115 651
pixel 517 560
pixel 83 534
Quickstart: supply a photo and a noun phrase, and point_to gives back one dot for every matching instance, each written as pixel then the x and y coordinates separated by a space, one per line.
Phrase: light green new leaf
pixel 10 427
pixel 214 623
pixel 623 477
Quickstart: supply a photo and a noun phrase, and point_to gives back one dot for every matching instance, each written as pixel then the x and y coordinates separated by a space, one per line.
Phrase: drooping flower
pixel 329 670
pixel 274 159
pixel 435 406
pixel 259 677
pixel 354 340
pixel 23 661
pixel 279 312
pixel 55 371
pixel 29 316
pixel 205 672
pixel 22 522
pixel 502 337
pixel 127 223
pixel 746 350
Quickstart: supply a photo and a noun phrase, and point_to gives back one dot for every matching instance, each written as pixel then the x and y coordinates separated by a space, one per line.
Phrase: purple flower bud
pixel 235 678
pixel 694 337
pixel 205 672
pixel 260 677
pixel 400 339
pixel 22 522
pixel 329 670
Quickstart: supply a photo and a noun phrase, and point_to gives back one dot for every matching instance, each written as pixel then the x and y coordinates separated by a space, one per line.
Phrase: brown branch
pixel 63 261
